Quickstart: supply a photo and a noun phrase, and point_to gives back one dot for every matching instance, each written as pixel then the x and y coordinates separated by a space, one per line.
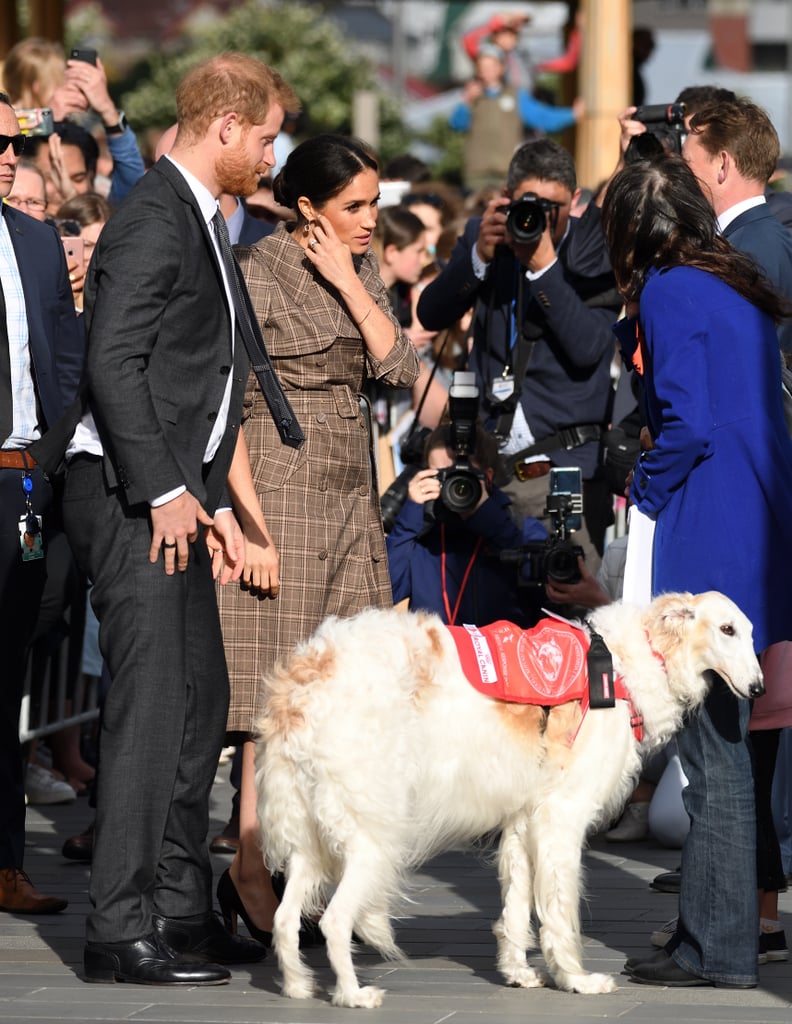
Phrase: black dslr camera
pixel 526 217
pixel 556 557
pixel 461 484
pixel 665 123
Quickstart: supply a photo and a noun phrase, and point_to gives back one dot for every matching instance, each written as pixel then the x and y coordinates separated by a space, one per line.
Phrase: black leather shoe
pixel 147 962
pixel 639 961
pixel 668 881
pixel 80 847
pixel 668 973
pixel 203 936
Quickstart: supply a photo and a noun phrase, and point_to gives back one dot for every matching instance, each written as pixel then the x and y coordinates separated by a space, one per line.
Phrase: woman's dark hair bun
pixel 281 192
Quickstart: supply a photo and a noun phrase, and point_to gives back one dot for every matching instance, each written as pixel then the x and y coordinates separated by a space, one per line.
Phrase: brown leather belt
pixel 532 470
pixel 16 460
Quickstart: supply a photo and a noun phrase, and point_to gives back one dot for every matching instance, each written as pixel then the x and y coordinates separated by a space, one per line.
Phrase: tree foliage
pixel 297 39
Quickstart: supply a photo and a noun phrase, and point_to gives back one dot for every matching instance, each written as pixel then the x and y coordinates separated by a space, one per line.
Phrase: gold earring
pixel 307 228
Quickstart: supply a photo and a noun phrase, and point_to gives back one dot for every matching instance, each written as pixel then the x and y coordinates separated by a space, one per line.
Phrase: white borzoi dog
pixel 375 752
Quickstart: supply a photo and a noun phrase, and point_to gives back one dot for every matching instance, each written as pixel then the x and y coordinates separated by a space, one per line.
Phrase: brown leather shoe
pixel 228 840
pixel 18 895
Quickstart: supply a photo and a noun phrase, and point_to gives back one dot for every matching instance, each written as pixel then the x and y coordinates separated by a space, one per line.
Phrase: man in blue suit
pixel 41 356
pixel 733 149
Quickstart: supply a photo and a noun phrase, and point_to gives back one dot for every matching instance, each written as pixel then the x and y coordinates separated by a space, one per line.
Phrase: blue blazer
pixel 719 479
pixel 55 338
pixel 761 234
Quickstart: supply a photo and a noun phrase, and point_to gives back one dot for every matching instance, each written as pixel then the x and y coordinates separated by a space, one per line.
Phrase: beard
pixel 234 173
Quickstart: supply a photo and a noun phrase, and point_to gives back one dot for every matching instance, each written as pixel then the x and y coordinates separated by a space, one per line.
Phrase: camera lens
pixel 561 564
pixel 461 491
pixel 526 220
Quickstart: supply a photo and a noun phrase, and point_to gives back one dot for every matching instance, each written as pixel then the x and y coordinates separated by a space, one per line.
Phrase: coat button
pixel 321 417
pixel 225 370
pixel 323 555
pixel 212 417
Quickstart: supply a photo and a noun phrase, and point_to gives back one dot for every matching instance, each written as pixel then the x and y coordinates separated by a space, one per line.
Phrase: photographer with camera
pixel 444 546
pixel 545 301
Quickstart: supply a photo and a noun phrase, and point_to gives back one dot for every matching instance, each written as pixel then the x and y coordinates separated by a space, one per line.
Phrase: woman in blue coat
pixel 717 481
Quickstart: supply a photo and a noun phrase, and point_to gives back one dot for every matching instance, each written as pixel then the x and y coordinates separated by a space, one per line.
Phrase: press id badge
pixel 503 387
pixel 30 537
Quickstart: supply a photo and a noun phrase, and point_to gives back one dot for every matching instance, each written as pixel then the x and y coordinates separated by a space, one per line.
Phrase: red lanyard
pixel 452 618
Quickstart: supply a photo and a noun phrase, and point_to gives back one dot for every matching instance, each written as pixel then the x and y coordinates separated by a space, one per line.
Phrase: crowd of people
pixel 219 513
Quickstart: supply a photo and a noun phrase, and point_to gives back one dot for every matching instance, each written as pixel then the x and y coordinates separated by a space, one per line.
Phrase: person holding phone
pixel 36 74
pixel 88 214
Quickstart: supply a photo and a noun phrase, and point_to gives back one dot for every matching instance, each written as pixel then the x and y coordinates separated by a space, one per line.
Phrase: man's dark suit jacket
pixel 760 234
pixel 56 352
pixel 569 310
pixel 55 339
pixel 154 387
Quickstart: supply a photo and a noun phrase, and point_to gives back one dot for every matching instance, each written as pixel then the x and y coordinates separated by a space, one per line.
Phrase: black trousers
pixel 21 587
pixel 164 717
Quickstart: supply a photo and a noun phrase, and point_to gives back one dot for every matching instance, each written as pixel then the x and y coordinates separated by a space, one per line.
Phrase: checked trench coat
pixel 320 502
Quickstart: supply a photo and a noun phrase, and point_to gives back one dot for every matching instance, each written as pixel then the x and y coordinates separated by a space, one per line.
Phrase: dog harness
pixel 545 665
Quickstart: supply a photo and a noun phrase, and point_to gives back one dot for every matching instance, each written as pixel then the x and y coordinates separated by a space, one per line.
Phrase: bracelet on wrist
pixel 367 313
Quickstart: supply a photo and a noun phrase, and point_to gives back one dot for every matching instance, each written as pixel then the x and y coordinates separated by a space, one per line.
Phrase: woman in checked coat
pixel 314 539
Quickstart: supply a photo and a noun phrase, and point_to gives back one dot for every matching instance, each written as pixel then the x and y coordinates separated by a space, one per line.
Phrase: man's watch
pixel 117 129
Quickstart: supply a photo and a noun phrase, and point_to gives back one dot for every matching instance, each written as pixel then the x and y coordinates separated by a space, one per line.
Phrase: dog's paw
pixel 298 989
pixel 590 984
pixel 368 997
pixel 524 976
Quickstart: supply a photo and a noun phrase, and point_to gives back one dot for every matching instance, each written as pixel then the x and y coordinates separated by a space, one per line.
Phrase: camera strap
pixel 600 673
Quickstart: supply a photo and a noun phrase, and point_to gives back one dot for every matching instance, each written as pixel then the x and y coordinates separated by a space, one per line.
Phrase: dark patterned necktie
pixel 279 407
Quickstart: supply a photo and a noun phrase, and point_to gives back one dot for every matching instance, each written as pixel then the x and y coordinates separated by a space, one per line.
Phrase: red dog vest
pixel 544 665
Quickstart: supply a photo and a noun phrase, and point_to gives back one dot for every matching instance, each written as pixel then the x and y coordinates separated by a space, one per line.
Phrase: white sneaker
pixel 633 824
pixel 661 937
pixel 41 787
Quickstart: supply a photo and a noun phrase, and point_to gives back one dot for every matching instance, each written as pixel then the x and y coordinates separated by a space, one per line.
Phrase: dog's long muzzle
pixel 756 689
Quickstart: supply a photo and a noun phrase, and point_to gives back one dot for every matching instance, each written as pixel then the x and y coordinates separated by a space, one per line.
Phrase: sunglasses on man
pixel 17 143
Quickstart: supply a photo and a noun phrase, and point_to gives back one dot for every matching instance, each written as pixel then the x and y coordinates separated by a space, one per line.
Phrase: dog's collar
pixel 636 719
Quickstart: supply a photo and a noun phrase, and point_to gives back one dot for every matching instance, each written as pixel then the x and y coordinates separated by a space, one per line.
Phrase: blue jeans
pixel 718 932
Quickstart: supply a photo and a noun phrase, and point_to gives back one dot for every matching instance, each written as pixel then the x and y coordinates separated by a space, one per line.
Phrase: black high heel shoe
pixel 231 905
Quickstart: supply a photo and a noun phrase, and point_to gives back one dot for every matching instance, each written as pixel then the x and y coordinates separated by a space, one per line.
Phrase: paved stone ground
pixel 449 976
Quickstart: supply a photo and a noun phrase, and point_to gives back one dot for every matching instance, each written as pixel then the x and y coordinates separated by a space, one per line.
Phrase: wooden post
pixel 9 26
pixel 604 77
pixel 46 19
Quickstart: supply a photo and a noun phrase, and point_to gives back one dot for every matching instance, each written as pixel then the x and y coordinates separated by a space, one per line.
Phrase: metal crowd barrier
pixel 47 706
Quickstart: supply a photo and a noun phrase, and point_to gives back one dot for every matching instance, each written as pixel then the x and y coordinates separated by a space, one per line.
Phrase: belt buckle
pixel 521 471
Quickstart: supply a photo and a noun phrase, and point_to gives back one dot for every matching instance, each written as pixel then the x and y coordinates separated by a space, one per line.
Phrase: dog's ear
pixel 667 620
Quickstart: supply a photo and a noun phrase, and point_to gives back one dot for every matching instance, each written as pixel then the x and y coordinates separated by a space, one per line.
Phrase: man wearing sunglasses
pixel 41 356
